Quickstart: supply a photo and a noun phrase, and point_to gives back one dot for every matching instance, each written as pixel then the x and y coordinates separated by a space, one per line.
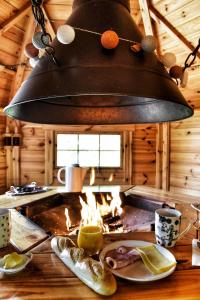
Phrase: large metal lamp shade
pixel 93 85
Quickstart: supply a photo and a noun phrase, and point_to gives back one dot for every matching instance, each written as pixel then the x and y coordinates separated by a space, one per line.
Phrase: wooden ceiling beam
pixel 137 18
pixel 149 24
pixel 15 18
pixel 146 17
pixel 169 26
pixel 6 70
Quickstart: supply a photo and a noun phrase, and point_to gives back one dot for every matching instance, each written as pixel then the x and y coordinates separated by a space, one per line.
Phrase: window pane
pixel 110 159
pixel 110 141
pixel 89 158
pixel 88 141
pixel 67 141
pixel 66 158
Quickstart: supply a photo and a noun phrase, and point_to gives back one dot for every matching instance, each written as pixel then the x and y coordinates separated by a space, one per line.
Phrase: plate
pixel 28 257
pixel 138 271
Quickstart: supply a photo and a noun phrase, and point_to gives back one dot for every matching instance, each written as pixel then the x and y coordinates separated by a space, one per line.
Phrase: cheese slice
pixel 154 260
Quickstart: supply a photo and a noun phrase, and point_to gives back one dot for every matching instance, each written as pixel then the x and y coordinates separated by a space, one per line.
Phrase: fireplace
pixel 137 213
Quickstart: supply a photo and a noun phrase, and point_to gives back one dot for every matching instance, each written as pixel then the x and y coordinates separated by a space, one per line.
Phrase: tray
pixel 21 193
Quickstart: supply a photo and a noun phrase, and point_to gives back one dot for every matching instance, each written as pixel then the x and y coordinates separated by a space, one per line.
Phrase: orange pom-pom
pixel 176 72
pixel 109 39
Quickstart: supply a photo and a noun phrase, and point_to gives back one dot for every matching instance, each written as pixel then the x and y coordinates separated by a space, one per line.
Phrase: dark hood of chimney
pixel 93 85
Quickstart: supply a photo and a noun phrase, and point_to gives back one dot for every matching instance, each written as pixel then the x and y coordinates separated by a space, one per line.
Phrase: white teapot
pixel 74 177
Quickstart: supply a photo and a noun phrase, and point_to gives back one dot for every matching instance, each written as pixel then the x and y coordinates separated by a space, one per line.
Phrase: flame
pixel 92 176
pixel 68 221
pixel 90 213
pixel 104 207
pixel 110 179
pixel 108 197
pixel 115 204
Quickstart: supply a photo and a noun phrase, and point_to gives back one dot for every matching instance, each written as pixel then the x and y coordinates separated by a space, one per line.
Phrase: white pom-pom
pixel 37 40
pixel 168 59
pixel 65 34
pixel 148 43
pixel 33 61
pixel 184 79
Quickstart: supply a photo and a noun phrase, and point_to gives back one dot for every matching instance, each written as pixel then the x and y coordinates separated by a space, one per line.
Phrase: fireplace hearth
pixel 49 213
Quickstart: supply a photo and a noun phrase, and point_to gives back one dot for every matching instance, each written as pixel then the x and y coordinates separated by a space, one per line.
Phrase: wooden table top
pixel 46 277
pixel 7 201
pixel 143 191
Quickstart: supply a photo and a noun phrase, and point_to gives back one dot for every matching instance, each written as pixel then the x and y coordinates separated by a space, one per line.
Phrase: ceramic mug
pixel 74 177
pixel 5 227
pixel 167 226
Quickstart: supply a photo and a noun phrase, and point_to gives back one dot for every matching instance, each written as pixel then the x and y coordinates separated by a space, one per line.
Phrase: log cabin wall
pixel 11 36
pixel 32 155
pixel 144 155
pixel 185 155
pixel 146 160
pixel 138 154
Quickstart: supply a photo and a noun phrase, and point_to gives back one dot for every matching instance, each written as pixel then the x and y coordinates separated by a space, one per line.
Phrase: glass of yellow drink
pixel 90 238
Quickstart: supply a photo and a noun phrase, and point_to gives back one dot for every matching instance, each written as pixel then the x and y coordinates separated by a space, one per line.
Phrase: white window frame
pixel 93 133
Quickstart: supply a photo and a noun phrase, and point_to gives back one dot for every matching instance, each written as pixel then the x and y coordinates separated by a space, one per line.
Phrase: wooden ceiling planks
pixel 185 17
pixel 15 17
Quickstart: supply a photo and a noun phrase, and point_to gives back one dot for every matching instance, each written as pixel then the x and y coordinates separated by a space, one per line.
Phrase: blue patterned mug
pixel 5 227
pixel 167 226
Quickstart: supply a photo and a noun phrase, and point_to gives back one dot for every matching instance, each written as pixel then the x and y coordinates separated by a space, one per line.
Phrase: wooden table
pixel 46 277
pixel 7 201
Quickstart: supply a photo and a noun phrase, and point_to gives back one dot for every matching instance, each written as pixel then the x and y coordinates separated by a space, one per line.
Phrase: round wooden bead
pixel 109 39
pixel 30 51
pixel 176 71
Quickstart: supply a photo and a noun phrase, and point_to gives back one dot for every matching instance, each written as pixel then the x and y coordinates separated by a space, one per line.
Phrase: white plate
pixel 138 271
pixel 28 256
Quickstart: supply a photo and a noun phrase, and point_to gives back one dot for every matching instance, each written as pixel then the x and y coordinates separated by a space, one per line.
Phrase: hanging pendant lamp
pixel 93 85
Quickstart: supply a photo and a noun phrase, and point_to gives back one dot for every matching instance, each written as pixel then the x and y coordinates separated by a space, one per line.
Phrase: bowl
pixel 27 258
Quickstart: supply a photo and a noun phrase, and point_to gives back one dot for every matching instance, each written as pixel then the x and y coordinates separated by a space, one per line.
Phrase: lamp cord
pixel 39 17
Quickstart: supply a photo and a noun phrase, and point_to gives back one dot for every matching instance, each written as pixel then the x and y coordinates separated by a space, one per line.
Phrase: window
pixel 89 150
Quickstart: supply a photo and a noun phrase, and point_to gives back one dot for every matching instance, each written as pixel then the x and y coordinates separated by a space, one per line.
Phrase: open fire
pixel 63 214
pixel 95 213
